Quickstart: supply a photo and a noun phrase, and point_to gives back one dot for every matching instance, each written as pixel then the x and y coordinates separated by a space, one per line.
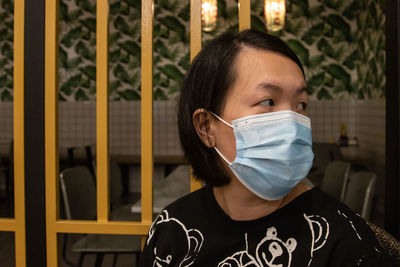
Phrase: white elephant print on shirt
pixel 271 251
pixel 189 240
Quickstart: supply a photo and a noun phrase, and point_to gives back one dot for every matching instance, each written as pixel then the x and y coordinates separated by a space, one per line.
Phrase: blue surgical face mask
pixel 273 152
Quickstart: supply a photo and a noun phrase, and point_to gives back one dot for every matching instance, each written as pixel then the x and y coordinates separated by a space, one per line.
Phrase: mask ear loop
pixel 216 149
pixel 220 119
pixel 222 156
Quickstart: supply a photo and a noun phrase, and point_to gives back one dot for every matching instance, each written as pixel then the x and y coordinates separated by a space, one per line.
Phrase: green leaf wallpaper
pixel 6 50
pixel 341 44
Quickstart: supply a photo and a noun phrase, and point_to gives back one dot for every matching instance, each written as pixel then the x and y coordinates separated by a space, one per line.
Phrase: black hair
pixel 206 84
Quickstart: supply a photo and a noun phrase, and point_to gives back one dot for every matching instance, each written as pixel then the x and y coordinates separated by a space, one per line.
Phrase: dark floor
pixel 7 249
pixel 7 255
pixel 123 260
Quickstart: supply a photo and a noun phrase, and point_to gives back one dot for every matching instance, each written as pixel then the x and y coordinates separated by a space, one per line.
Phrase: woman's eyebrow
pixel 301 90
pixel 275 87
pixel 271 86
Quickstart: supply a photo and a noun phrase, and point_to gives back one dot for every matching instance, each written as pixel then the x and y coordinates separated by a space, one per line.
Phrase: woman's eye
pixel 301 106
pixel 268 103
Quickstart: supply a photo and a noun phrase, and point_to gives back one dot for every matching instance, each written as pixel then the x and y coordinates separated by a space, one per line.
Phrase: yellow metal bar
pixel 195 47
pixel 147 111
pixel 19 152
pixel 102 111
pixel 195 28
pixel 51 130
pixel 97 227
pixel 194 183
pixel 244 15
pixel 7 225
pixel 143 241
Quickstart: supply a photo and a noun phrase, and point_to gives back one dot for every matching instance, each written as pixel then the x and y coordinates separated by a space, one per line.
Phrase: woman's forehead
pixel 254 69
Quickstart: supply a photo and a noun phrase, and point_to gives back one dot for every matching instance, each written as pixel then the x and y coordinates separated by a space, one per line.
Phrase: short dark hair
pixel 206 84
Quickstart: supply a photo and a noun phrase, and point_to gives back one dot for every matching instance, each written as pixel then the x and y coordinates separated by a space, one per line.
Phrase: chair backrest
pixel 79 193
pixel 88 156
pixel 360 192
pixel 335 179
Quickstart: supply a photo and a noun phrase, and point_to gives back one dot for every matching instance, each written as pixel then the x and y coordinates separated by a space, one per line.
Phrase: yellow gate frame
pixel 54 225
pixel 17 224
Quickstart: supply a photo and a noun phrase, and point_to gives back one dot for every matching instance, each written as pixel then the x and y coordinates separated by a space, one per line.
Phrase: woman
pixel 243 128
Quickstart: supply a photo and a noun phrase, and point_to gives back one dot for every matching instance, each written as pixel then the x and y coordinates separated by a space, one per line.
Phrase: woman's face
pixel 264 82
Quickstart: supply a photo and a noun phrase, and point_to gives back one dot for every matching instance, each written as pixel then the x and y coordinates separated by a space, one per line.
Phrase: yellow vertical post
pixel 19 152
pixel 195 28
pixel 244 15
pixel 147 111
pixel 51 130
pixel 195 47
pixel 102 110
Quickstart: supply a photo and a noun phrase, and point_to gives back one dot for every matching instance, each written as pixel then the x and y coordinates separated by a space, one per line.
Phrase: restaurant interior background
pixel 341 44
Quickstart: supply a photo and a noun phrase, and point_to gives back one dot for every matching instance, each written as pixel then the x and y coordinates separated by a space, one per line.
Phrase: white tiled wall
pixel 6 123
pixel 364 119
pixel 77 127
pixel 77 124
pixel 124 128
pixel 326 117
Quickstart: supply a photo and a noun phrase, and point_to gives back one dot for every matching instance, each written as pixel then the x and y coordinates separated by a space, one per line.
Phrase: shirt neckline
pixel 226 220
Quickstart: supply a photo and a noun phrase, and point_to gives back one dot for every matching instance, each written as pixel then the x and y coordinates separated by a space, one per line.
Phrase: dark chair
pixel 79 194
pixel 360 192
pixel 120 206
pixel 72 159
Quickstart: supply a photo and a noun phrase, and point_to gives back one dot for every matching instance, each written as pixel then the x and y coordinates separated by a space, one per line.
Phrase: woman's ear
pixel 203 123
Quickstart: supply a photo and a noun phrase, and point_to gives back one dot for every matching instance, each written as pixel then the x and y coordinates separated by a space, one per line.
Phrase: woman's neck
pixel 241 204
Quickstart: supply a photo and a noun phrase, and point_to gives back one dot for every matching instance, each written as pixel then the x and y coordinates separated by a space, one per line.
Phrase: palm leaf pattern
pixel 341 44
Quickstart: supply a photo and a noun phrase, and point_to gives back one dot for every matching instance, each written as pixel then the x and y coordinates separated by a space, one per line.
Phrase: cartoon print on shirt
pixel 341 213
pixel 191 240
pixel 319 227
pixel 280 253
pixel 271 251
pixel 240 258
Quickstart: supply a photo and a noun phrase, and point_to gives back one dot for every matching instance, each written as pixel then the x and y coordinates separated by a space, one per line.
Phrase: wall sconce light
pixel 275 14
pixel 208 15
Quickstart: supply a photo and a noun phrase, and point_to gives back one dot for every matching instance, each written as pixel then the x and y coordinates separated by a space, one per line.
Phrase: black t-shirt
pixel 311 230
